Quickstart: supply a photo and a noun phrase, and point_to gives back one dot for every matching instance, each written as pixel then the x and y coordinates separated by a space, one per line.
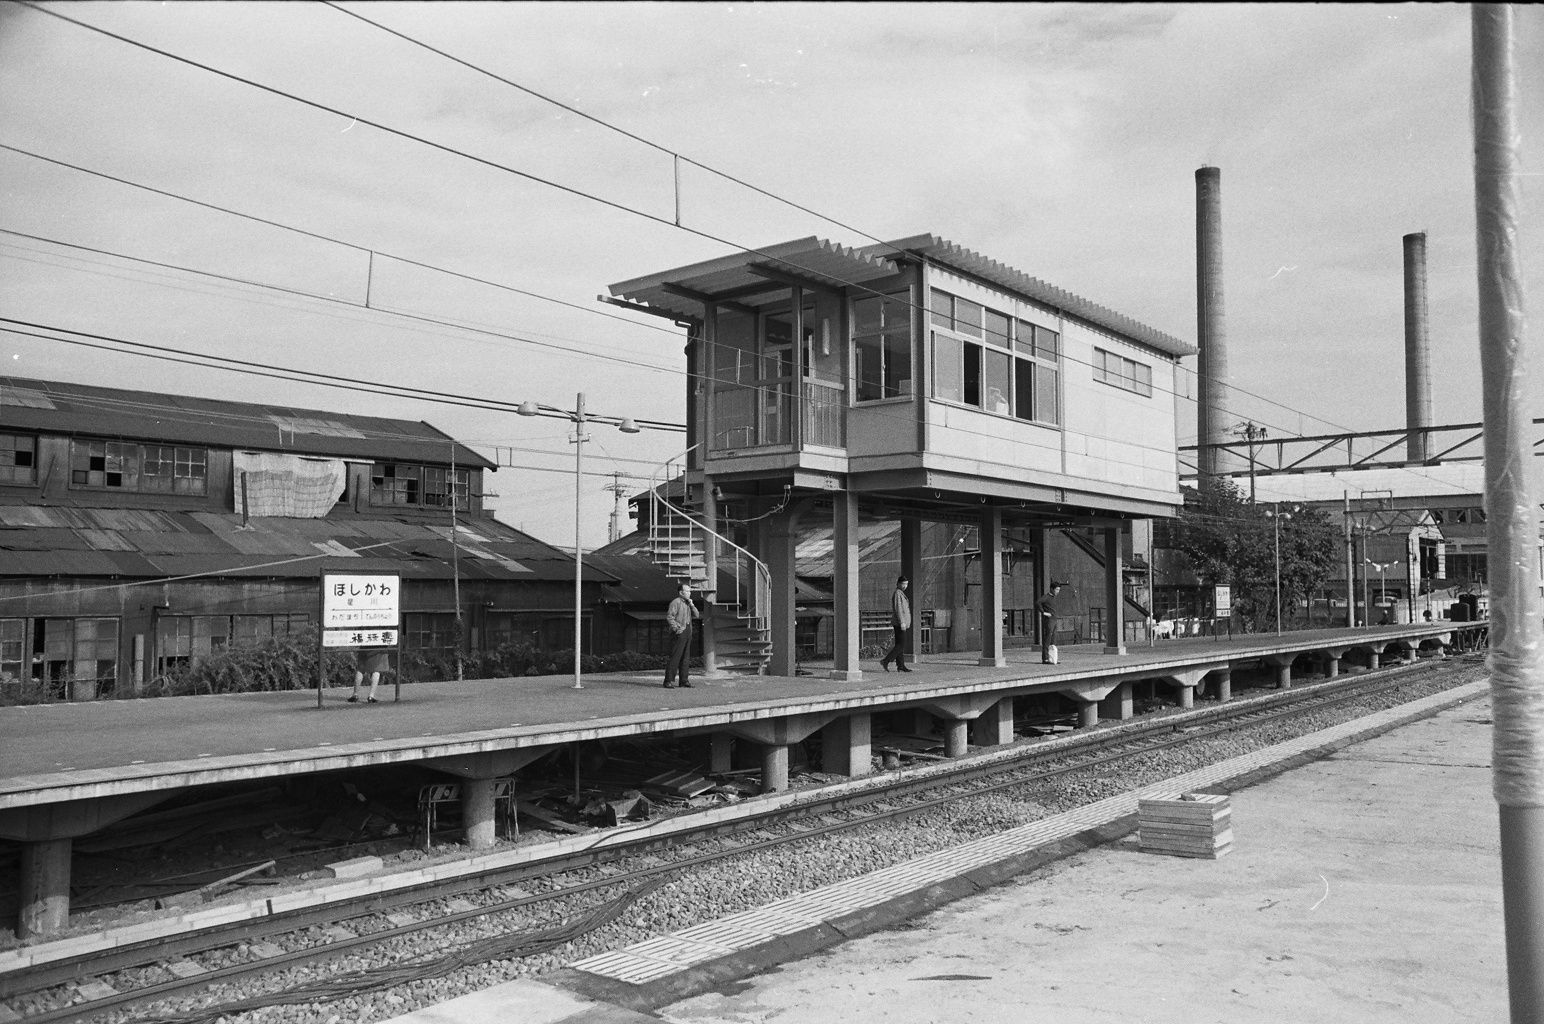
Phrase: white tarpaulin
pixel 287 485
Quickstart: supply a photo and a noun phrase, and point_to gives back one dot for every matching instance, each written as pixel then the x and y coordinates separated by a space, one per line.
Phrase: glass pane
pixel 996 328
pixel 967 317
pixel 1046 410
pixel 777 350
pixel 866 315
pixel 1047 343
pixel 997 370
pixel 1024 337
pixel 972 374
pixel 943 309
pixel 948 368
pixel 1145 379
pixel 734 348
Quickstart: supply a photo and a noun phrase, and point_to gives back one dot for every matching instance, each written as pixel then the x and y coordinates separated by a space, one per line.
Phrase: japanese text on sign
pixel 359 638
pixel 360 602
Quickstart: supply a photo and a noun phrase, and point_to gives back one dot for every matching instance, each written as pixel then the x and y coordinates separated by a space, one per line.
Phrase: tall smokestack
pixel 1417 353
pixel 1212 424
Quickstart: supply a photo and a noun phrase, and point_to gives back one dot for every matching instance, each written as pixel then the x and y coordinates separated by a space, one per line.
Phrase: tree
pixel 1229 540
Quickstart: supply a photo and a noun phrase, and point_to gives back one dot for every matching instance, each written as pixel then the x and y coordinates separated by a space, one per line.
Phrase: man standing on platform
pixel 680 617
pixel 900 622
pixel 1046 606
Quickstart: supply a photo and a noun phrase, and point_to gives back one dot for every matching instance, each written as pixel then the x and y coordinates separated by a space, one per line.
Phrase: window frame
pixel 11 461
pixel 887 337
pixel 95 463
pixel 1121 372
pixel 407 485
pixel 975 347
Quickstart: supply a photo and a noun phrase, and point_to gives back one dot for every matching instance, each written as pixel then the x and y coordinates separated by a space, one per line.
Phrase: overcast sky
pixel 1062 140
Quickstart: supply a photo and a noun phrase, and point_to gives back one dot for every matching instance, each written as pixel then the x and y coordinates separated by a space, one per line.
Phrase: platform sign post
pixel 359 611
pixel 1222 606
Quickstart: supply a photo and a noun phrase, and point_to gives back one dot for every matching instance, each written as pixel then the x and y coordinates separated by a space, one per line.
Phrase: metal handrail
pixel 748 569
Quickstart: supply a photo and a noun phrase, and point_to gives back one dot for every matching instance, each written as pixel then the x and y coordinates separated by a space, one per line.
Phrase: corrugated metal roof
pixel 55 541
pixel 143 415
pixel 839 266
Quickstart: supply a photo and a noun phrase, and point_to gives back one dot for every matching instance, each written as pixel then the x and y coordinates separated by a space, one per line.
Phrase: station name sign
pixel 360 610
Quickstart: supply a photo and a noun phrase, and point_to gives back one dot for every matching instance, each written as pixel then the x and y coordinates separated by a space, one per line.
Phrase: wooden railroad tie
pixel 1185 824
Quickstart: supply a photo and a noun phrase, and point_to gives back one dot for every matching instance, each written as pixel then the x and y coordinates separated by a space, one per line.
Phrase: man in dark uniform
pixel 1046 606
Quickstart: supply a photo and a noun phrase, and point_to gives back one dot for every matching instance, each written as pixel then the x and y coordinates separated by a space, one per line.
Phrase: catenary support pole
pixel 1512 528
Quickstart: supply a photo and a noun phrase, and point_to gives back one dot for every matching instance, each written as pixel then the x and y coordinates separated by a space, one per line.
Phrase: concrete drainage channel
pixel 670 967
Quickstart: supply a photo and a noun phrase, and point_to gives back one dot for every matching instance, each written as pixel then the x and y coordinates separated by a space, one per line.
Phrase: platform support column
pixel 991 530
pixel 1331 666
pixel 1118 703
pixel 781 536
pixel 1284 676
pixel 1088 714
pixel 844 585
pixel 1374 659
pixel 44 899
pixel 846 746
pixel 911 568
pixel 1224 681
pixel 956 737
pixel 1114 595
pixel 995 726
pixel 1187 696
pixel 774 767
pixel 477 813
pixel 720 753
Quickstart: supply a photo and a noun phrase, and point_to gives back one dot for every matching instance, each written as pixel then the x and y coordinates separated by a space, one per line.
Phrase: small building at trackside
pixel 908 382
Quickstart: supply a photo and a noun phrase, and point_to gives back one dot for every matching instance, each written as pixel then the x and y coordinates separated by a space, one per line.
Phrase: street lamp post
pixel 578 417
pixel 1382 586
pixel 1276 517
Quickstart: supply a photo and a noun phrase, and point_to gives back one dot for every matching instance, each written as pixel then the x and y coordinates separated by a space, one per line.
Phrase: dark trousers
pixel 680 654
pixel 897 652
pixel 1046 635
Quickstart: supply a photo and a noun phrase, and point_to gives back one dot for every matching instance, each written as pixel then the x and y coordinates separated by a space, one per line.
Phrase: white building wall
pixel 1113 434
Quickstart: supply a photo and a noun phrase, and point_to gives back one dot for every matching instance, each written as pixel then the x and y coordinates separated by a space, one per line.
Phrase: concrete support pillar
pixel 846 745
pixel 1187 696
pixel 1088 714
pixel 995 726
pixel 1331 666
pixel 43 902
pixel 781 537
pixel 844 585
pixel 1114 595
pixel 911 568
pixel 1374 659
pixel 1224 683
pixel 956 737
pixel 774 767
pixel 720 752
pixel 991 529
pixel 1119 704
pixel 1284 676
pixel 477 813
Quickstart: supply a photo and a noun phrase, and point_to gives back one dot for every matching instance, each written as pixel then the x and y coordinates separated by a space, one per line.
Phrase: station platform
pixel 68 770
pixel 52 753
pixel 1363 885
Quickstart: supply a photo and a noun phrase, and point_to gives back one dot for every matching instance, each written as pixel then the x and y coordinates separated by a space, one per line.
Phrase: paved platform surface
pixel 101 748
pixel 1362 887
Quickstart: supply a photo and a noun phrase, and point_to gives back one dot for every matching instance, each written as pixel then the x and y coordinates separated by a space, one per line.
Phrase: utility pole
pixel 1250 432
pixel 617 488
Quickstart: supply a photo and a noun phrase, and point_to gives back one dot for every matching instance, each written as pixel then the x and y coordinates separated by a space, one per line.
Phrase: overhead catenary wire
pixel 481 160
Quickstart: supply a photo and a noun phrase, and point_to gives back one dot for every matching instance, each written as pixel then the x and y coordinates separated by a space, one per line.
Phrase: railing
pixel 752 581
pixel 762 414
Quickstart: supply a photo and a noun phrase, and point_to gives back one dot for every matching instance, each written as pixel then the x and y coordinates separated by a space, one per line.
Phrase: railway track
pixel 502 901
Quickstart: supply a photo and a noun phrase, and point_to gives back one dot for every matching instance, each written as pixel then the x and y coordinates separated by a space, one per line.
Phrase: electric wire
pixel 498 166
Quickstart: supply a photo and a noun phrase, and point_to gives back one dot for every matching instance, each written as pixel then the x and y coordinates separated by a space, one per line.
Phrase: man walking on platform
pixel 679 618
pixel 900 622
pixel 1046 606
